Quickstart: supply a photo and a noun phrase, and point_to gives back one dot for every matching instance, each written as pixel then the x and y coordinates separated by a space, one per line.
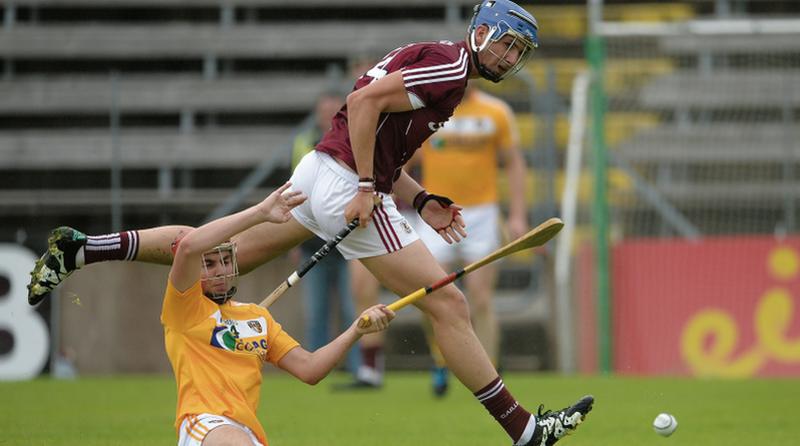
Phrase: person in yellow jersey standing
pixel 460 161
pixel 217 346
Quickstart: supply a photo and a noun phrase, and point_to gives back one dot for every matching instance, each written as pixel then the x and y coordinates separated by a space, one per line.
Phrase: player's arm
pixel 275 208
pixel 364 106
pixel 312 367
pixel 515 167
pixel 405 188
pixel 515 171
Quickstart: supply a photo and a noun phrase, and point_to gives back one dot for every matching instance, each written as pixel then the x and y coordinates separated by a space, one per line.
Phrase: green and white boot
pixel 56 264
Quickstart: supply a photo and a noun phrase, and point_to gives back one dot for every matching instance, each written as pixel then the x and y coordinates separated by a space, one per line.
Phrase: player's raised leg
pixel 69 249
pixel 264 242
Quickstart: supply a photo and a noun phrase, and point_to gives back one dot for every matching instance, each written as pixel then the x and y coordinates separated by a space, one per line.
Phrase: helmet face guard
pixel 503 17
pixel 225 254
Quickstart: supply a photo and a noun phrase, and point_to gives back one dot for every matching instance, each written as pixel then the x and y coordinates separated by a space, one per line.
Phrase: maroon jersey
pixel 435 75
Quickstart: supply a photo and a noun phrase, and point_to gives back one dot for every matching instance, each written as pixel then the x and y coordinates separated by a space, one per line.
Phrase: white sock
pixel 370 375
pixel 527 434
pixel 80 261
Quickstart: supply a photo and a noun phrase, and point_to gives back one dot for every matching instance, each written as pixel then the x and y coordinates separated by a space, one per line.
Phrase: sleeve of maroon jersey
pixel 441 69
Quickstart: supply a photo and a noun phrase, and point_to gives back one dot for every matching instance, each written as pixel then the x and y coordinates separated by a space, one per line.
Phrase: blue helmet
pixel 503 17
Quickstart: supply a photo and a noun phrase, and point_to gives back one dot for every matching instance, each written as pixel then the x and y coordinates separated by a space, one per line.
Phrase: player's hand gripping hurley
pixel 313 260
pixel 538 236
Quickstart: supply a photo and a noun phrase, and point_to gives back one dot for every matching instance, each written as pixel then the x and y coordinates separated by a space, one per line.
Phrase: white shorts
pixel 330 187
pixel 194 428
pixel 483 236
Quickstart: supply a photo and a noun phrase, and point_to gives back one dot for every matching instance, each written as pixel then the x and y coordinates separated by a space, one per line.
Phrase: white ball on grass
pixel 665 424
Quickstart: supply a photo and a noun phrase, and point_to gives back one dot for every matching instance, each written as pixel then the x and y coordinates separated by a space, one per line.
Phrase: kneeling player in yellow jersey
pixel 217 346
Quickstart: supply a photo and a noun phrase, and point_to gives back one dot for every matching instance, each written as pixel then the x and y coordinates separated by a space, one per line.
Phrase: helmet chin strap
pixel 220 299
pixel 475 49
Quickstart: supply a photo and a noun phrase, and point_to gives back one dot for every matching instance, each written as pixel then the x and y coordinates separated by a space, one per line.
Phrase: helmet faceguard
pixel 503 18
pixel 225 255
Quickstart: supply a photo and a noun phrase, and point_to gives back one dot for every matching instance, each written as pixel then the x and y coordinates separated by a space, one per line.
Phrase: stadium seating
pixel 728 135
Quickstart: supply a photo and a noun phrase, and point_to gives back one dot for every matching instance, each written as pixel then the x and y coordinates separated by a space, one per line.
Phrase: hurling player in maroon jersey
pixel 393 108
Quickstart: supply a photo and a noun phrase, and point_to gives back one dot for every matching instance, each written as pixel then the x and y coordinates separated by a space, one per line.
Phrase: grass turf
pixel 131 410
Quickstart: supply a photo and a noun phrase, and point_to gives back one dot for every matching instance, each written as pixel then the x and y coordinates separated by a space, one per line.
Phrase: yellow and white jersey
pixel 217 352
pixel 460 160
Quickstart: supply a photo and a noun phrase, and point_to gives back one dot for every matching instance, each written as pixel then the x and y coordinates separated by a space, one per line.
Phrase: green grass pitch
pixel 135 410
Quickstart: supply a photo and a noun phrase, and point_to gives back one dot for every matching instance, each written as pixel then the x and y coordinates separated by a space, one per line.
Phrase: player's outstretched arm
pixel 275 208
pixel 312 367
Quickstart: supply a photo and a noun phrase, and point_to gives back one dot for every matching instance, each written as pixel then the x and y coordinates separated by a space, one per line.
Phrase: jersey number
pixel 379 70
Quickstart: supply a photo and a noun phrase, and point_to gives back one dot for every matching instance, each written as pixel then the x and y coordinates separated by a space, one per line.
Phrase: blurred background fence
pixel 136 113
